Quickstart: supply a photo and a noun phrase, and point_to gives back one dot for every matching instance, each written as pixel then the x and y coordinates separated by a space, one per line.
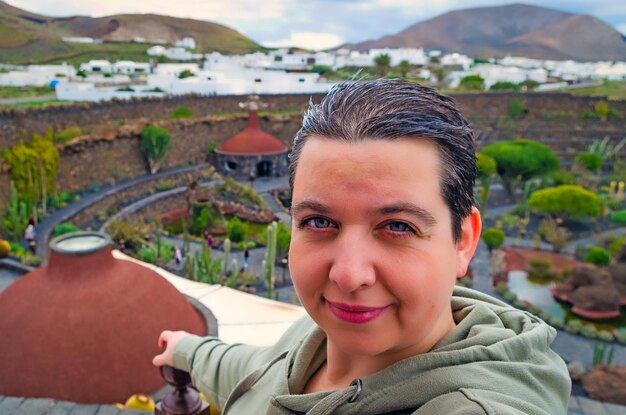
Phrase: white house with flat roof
pixel 36 75
pixel 97 65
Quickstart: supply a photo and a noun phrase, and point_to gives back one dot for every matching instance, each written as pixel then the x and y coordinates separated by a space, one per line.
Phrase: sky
pixel 312 24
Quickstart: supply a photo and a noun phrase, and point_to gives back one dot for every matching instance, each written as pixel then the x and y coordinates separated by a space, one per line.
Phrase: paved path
pixel 44 228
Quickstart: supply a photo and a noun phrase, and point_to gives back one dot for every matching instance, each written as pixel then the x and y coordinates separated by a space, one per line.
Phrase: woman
pixel 383 222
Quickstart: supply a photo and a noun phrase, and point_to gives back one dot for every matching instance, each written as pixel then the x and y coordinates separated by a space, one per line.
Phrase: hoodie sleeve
pixel 217 367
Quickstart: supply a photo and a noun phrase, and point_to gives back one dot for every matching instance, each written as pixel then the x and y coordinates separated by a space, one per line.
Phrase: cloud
pixel 307 40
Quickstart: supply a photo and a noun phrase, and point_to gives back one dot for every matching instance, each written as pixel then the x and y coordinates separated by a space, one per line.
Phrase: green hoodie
pixel 496 360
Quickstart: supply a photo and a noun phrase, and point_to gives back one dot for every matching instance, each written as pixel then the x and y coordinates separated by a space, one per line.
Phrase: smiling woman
pixel 384 223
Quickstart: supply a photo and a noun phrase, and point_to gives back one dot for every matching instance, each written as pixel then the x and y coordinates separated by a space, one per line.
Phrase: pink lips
pixel 355 313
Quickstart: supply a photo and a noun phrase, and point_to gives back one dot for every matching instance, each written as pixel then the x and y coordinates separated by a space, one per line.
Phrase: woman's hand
pixel 169 340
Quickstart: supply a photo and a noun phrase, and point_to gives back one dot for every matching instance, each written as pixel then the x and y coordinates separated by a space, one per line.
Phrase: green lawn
pixel 38 103
pixel 614 90
pixel 24 91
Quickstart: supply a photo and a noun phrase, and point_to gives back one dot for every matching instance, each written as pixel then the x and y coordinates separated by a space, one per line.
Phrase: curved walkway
pixel 44 228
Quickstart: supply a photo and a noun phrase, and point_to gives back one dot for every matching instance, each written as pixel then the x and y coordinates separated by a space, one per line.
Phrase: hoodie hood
pixel 496 357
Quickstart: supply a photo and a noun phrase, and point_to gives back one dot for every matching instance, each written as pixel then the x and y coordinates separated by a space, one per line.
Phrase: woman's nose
pixel 353 262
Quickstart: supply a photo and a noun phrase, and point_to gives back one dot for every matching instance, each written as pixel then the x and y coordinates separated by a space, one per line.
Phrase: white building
pixel 130 67
pixel 78 39
pixel 97 66
pixel 156 51
pixel 175 69
pixel 457 59
pixel 87 91
pixel 188 42
pixel 495 73
pixel 36 75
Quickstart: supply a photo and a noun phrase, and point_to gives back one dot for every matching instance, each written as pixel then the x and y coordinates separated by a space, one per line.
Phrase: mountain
pixel 31 38
pixel 515 29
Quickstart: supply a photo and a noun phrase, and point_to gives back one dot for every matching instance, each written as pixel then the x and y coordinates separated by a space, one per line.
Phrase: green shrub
pixel 236 230
pixel 155 143
pixel 566 201
pixel 615 247
pixel 147 255
pixel 504 86
pixel 540 268
pixel 493 238
pixel 598 256
pixel 17 250
pixel 502 288
pixel 605 336
pixel 619 216
pixel 472 83
pixel 560 177
pixel 63 228
pixel 509 296
pixel 620 336
pixel 589 331
pixel 181 112
pixel 67 134
pixel 590 161
pixel 164 185
pixel 573 326
pixel 517 108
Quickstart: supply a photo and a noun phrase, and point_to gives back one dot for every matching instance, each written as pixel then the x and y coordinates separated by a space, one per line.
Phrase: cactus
pixel 188 268
pixel 270 259
pixel 16 218
pixel 185 248
pixel 599 352
pixel 226 259
pixel 232 279
pixel 208 269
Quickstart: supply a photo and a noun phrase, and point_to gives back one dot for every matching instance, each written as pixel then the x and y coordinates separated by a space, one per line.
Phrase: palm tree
pixel 383 63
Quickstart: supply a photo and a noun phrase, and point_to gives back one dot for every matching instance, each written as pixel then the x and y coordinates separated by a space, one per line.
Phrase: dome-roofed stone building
pixel 251 153
pixel 84 327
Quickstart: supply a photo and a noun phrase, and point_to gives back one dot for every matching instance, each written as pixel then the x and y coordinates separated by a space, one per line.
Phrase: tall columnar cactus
pixel 270 259
pixel 185 247
pixel 189 268
pixel 226 259
pixel 232 279
pixel 16 218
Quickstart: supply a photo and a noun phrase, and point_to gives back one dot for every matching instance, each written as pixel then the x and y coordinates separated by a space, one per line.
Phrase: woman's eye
pixel 318 223
pixel 399 227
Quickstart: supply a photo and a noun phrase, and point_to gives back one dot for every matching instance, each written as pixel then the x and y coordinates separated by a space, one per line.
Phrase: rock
pixel 588 274
pixel 576 370
pixel 606 383
pixel 596 298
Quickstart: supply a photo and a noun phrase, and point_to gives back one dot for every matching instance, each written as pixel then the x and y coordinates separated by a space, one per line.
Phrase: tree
pixel 404 67
pixel 521 160
pixel 567 200
pixel 493 238
pixel 155 143
pixel 33 168
pixel 383 63
pixel 486 170
pixel 186 73
pixel 472 83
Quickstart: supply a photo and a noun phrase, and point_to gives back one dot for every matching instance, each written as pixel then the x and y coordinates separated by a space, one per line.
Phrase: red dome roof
pixel 84 328
pixel 252 140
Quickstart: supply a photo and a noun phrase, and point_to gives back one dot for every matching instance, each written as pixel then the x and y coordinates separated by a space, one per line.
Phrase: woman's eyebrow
pixel 309 205
pixel 410 208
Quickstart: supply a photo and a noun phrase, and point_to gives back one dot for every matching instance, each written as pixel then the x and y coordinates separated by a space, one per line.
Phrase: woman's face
pixel 372 255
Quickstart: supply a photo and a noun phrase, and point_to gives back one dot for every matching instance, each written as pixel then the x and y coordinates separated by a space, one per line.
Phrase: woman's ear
pixel 470 234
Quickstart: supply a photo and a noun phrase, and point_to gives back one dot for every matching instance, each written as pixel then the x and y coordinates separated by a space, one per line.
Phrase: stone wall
pixel 111 152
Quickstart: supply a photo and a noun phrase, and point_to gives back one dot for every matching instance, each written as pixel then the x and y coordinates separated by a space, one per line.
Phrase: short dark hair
pixel 385 109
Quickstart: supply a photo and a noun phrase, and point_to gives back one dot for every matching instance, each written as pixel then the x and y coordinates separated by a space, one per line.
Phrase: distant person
pixel 246 256
pixel 178 256
pixel 30 235
pixel 383 223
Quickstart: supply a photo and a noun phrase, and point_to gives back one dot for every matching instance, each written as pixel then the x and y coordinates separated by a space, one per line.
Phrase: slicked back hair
pixel 383 109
